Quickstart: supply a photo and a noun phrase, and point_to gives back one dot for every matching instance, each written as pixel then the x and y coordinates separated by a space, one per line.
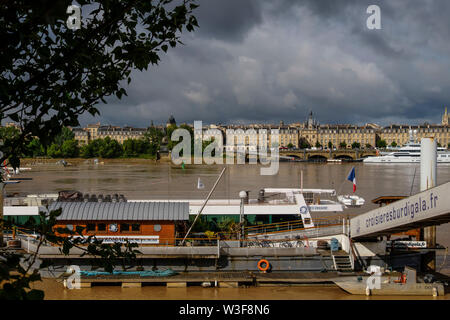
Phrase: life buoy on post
pixel 263 265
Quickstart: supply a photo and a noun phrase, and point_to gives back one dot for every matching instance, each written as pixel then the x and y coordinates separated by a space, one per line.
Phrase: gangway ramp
pixel 427 208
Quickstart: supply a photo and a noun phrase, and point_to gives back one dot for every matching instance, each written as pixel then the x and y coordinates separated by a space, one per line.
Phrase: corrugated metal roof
pixel 135 211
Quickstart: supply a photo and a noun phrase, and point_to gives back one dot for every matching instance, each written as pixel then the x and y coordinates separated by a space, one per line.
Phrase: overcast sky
pixel 270 60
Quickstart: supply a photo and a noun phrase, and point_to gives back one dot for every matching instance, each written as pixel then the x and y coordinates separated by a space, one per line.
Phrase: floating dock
pixel 218 279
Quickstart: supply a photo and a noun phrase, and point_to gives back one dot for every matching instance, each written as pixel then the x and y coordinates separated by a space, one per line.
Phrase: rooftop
pixel 133 211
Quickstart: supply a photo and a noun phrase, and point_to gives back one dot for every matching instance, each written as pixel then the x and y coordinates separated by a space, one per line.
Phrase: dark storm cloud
pixel 228 20
pixel 267 61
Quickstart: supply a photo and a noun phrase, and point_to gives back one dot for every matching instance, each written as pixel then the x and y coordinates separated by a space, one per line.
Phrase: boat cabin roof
pixel 133 211
pixel 387 199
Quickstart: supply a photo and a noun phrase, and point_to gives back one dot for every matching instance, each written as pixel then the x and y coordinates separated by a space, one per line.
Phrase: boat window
pixel 101 227
pixel 157 227
pixel 113 227
pixel 135 227
pixel 90 227
pixel 124 227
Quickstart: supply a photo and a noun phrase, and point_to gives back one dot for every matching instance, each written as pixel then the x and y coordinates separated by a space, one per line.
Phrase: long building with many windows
pixel 96 131
pixel 296 135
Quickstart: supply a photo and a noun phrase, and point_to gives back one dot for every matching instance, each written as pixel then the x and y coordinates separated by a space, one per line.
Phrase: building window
pixel 90 227
pixel 101 227
pixel 124 227
pixel 136 227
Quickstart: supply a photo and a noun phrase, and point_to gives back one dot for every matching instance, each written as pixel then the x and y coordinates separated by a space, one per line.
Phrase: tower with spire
pixel 445 118
pixel 311 122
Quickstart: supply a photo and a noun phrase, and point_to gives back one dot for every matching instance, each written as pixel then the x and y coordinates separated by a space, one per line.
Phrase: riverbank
pixel 90 161
pixel 164 159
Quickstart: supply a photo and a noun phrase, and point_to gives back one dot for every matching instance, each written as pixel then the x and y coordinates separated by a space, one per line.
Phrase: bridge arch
pixel 343 157
pixel 317 158
pixel 295 156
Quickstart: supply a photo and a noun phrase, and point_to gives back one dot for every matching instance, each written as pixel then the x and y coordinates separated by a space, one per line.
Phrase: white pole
pixel 204 204
pixel 241 214
pixel 428 168
pixel 301 181
pixel 428 161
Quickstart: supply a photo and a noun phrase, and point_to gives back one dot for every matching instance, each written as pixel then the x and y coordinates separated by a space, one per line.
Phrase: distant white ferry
pixel 409 153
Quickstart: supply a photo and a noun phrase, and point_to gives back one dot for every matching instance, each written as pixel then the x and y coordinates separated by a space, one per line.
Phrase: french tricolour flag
pixel 352 178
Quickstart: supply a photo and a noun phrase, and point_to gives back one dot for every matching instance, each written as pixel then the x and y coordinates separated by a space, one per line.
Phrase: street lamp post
pixel 242 195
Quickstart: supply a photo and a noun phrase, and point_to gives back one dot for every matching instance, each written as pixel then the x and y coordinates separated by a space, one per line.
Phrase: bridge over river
pixel 323 155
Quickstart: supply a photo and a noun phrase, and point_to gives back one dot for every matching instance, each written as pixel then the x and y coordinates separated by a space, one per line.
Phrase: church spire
pixel 445 118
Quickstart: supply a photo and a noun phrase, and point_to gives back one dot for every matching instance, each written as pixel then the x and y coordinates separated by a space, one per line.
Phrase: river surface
pixel 55 291
pixel 167 181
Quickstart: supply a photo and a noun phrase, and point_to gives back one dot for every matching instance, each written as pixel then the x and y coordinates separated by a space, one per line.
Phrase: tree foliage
pixel 138 147
pixel 356 145
pixel 50 75
pixel 381 144
pixel 303 143
pixel 17 272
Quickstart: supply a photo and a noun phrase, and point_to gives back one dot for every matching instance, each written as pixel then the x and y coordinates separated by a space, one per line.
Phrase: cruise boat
pixel 351 200
pixel 272 205
pixel 409 153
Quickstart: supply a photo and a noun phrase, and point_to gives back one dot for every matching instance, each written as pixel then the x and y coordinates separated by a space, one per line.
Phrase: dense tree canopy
pixel 50 74
pixel 381 144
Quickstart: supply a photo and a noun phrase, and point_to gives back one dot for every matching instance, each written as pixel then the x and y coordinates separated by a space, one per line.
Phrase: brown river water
pixel 141 180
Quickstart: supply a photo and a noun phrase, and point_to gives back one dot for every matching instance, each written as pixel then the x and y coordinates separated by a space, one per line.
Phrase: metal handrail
pixel 268 230
pixel 321 219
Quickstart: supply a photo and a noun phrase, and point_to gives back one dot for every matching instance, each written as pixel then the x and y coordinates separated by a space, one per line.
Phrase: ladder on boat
pixel 343 262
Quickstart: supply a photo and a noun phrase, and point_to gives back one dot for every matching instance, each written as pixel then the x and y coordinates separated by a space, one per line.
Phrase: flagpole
pixel 301 181
pixel 340 187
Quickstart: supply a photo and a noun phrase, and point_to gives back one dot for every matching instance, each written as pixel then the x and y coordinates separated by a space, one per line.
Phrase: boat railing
pixel 314 232
pixel 275 243
pixel 293 225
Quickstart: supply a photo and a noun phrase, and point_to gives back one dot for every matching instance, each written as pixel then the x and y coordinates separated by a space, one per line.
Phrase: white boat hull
pixel 392 159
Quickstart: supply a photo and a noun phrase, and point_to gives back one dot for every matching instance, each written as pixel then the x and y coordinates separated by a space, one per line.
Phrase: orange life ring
pixel 266 267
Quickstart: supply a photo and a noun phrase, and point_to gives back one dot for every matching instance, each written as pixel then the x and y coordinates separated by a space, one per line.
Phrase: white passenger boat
pixel 409 153
pixel 272 205
pixel 351 200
